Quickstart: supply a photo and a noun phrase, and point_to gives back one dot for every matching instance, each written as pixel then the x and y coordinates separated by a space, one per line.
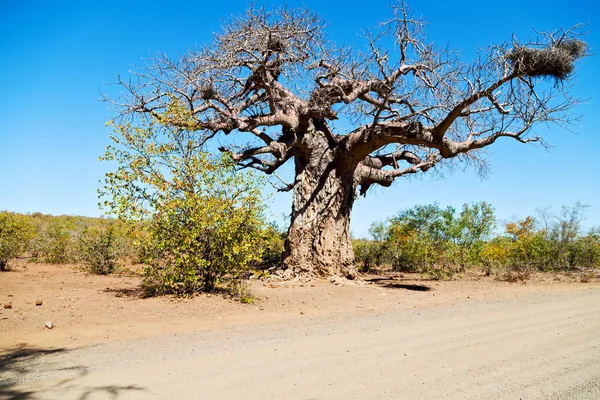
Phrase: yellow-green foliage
pixel 59 239
pixel 424 236
pixel 495 254
pixel 55 241
pixel 433 241
pixel 200 220
pixel 99 247
pixel 15 233
pixel 272 249
pixel 365 253
pixel 411 252
pixel 558 246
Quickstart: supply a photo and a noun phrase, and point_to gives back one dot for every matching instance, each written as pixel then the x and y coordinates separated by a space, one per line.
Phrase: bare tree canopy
pixel 275 75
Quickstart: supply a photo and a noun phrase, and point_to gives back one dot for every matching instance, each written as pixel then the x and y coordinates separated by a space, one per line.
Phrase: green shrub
pixel 494 254
pixel 99 248
pixel 15 233
pixel 194 242
pixel 55 243
pixel 201 221
pixel 559 245
pixel 413 254
pixel 424 236
pixel 272 248
pixel 371 253
pixel 438 272
pixel 363 256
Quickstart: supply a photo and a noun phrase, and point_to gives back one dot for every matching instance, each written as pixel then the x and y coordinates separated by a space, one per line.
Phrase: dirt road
pixel 538 345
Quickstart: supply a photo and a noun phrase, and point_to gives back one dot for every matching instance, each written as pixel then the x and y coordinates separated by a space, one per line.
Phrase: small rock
pixel 8 306
pixel 39 302
pixel 49 324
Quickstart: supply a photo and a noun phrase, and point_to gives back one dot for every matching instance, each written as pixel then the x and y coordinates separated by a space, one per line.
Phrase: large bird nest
pixel 555 61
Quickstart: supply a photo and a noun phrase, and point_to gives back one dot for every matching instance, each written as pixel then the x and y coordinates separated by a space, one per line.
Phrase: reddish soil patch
pixel 86 308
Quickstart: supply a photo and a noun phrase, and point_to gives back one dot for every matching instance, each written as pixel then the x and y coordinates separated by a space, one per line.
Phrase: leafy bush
pixel 201 221
pixel 272 249
pixel 193 242
pixel 54 243
pixel 99 248
pixel 424 236
pixel 410 253
pixel 585 252
pixel 363 255
pixel 553 242
pixel 438 242
pixel 468 233
pixel 494 254
pixel 15 233
pixel 371 253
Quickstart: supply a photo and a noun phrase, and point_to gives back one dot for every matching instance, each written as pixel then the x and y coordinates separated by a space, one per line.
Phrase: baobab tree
pixel 273 76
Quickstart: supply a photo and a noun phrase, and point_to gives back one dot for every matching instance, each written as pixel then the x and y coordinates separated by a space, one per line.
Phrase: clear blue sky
pixel 58 55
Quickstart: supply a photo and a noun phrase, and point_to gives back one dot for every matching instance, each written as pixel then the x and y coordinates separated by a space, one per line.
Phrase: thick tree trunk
pixel 318 243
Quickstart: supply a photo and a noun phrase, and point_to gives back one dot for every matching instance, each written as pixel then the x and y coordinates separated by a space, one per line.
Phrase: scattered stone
pixel 49 324
pixel 39 302
pixel 8 306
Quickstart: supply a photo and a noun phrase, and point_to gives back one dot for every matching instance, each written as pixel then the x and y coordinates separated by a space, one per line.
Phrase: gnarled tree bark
pixel 318 243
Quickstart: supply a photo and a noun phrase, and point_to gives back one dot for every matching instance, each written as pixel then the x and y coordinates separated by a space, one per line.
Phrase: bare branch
pixel 275 68
pixel 366 175
pixel 391 159
pixel 286 186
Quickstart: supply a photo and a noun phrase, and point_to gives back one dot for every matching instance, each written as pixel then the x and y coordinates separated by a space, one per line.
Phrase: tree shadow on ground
pixel 134 292
pixel 393 283
pixel 14 365
pixel 21 364
pixel 227 291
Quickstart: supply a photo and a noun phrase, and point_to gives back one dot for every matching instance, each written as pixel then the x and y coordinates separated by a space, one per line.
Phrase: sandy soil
pixel 393 338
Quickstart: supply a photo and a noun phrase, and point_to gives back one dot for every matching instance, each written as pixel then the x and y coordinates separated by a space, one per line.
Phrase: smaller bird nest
pixel 556 60
pixel 207 92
